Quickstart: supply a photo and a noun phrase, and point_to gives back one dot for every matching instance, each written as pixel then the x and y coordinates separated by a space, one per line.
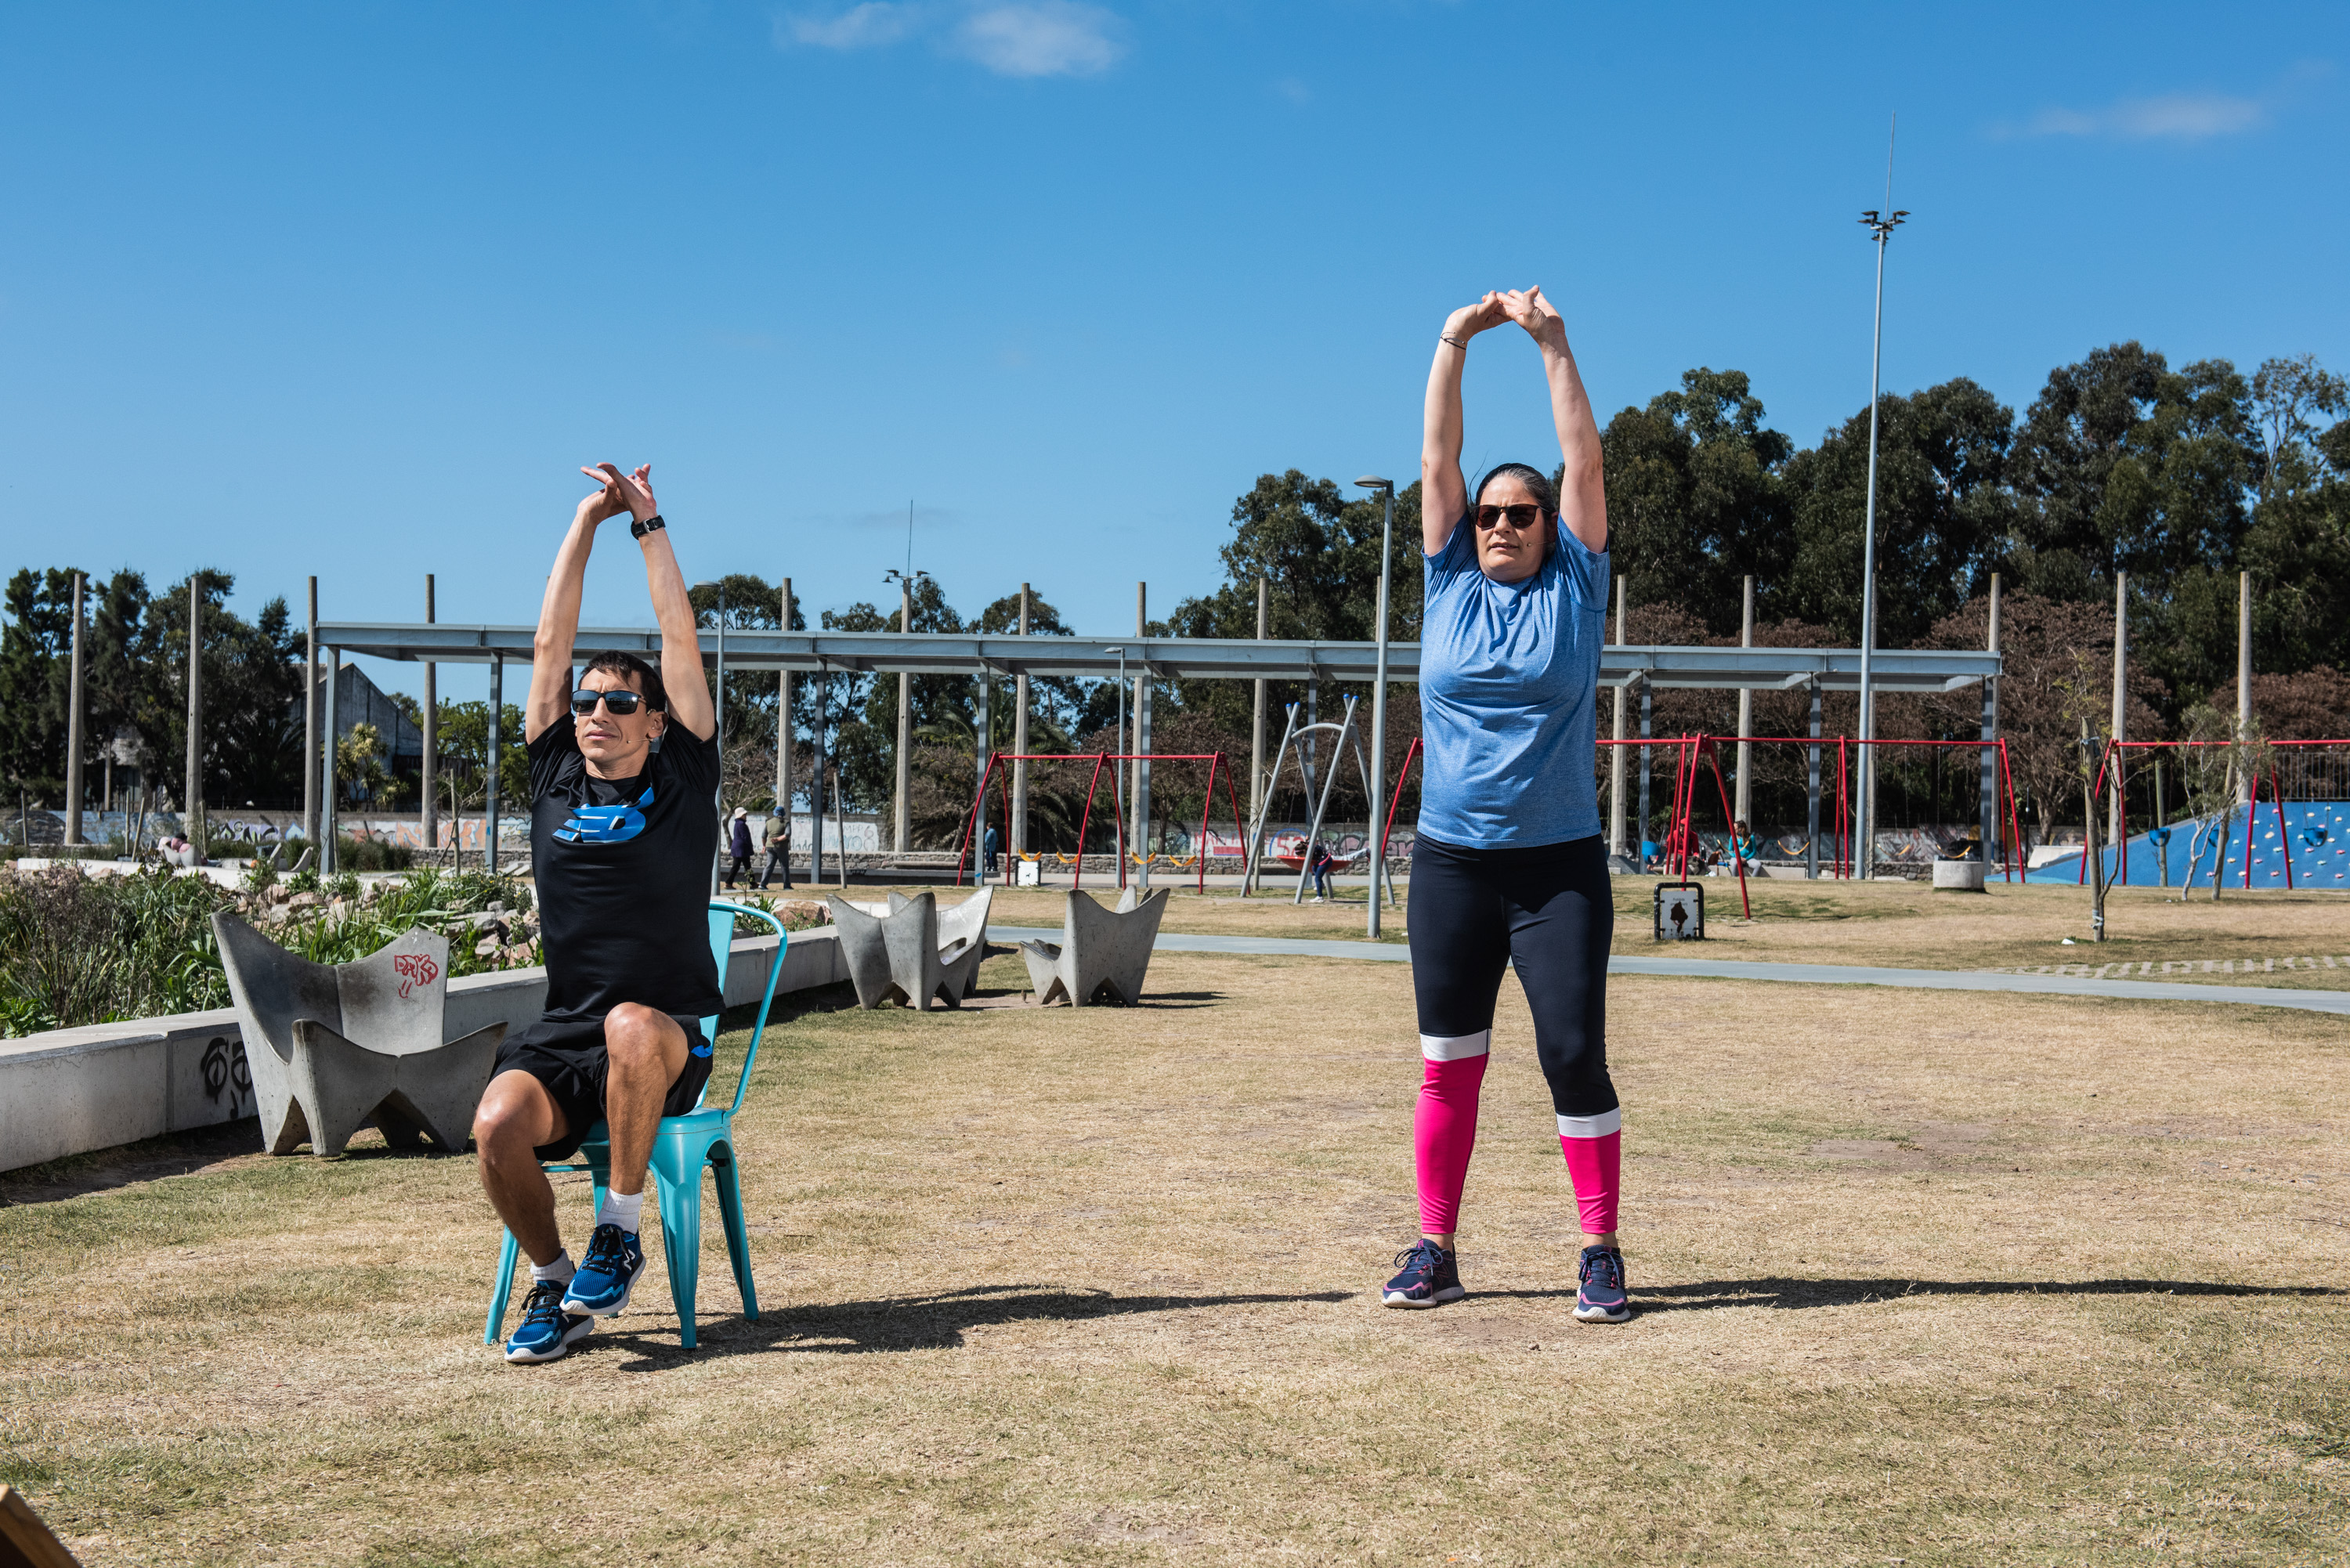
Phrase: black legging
pixel 1549 909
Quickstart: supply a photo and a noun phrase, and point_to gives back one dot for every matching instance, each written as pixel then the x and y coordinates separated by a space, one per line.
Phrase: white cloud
pixel 864 27
pixel 2173 117
pixel 2176 115
pixel 1041 38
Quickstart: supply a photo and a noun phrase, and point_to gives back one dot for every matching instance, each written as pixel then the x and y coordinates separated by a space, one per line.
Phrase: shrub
pixel 93 950
pixel 358 853
pixel 98 949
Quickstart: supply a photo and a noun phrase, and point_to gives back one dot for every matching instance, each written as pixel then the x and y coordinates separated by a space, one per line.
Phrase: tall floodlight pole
pixel 1385 490
pixel 1881 222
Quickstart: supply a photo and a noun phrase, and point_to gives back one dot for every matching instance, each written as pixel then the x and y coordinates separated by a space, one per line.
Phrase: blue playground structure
pixel 2316 836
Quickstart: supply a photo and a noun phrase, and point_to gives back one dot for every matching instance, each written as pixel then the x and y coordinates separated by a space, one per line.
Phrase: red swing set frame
pixel 1693 751
pixel 1215 761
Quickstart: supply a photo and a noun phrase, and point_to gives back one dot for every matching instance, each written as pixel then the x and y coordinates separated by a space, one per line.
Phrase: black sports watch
pixel 639 530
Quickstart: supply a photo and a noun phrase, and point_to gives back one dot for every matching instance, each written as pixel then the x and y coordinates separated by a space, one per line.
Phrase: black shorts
pixel 566 1055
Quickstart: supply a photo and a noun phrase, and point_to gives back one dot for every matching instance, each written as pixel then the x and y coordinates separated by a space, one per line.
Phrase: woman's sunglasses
pixel 1524 514
pixel 619 703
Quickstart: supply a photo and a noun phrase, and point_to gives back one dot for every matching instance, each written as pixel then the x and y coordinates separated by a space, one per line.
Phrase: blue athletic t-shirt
pixel 1509 678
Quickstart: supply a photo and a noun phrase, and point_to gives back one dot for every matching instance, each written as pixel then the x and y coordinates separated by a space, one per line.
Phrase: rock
pixel 305 901
pixel 485 946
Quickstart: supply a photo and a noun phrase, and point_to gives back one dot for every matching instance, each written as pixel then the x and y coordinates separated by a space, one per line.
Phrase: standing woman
pixel 1509 867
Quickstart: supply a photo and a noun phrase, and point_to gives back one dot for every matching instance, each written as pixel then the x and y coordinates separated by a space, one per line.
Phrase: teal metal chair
pixel 682 1147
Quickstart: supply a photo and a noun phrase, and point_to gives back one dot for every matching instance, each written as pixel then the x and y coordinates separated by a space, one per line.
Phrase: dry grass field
pixel 1901 924
pixel 1922 1279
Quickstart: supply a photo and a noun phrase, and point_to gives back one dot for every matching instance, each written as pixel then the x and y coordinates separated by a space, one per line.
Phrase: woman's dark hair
pixel 1535 480
pixel 649 681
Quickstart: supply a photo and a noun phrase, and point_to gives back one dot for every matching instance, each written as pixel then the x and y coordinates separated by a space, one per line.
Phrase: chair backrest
pixel 967 921
pixel 722 947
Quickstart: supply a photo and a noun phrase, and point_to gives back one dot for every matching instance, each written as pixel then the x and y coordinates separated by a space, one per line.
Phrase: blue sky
pixel 351 289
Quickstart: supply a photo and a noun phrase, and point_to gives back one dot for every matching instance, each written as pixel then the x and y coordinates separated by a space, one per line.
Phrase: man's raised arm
pixel 681 660
pixel 559 614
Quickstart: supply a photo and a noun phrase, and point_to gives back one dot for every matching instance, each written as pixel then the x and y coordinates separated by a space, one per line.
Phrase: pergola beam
pixel 1175 658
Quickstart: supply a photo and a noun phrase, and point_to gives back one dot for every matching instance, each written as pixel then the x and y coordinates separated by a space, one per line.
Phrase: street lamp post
pixel 1881 224
pixel 1385 490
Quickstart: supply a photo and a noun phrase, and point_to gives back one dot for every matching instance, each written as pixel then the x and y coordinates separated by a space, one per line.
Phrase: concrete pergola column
pixel 1019 844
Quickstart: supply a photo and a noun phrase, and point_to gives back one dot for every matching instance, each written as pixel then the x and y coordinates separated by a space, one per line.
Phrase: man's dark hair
pixel 649 681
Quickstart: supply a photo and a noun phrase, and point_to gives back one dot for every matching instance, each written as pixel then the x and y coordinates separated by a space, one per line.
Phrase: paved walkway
pixel 1797 973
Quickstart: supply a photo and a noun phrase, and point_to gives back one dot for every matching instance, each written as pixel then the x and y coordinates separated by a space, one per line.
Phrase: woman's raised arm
pixel 1443 493
pixel 1583 489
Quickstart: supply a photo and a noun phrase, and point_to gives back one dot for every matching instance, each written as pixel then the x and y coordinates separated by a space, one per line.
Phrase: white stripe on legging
pixel 1459 1048
pixel 1600 1126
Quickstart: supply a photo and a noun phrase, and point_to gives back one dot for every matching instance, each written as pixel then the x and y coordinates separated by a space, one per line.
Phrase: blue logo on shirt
pixel 606 823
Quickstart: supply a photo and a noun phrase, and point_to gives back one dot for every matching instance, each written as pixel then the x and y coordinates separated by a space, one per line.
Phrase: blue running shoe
pixel 606 1274
pixel 547 1332
pixel 1602 1298
pixel 1431 1277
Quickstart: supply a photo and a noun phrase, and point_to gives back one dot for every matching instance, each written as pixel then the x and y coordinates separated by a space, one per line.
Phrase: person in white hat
pixel 738 847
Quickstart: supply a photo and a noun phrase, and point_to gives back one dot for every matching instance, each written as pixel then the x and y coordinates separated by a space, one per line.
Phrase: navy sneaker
pixel 1431 1277
pixel 547 1332
pixel 606 1274
pixel 1602 1298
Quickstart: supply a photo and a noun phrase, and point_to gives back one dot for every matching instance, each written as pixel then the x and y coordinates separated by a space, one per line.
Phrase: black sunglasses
pixel 1524 514
pixel 620 703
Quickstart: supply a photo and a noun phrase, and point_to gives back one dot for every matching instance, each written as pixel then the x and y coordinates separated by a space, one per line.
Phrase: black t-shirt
pixel 623 869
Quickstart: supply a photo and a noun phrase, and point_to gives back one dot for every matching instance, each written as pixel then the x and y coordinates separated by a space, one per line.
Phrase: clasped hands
pixel 619 493
pixel 1527 307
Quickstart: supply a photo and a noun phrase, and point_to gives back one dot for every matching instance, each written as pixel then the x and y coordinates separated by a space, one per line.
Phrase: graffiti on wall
pixel 228 1075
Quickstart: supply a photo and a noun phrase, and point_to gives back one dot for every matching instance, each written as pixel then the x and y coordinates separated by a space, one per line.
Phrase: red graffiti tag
pixel 414 969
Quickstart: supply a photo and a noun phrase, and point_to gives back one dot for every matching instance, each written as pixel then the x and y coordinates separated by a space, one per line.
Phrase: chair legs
pixel 499 1297
pixel 676 1170
pixel 677 1167
pixel 680 1214
pixel 509 1252
pixel 738 1238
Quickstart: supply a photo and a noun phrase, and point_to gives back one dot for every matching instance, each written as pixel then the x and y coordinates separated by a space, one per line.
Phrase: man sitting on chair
pixel 623 836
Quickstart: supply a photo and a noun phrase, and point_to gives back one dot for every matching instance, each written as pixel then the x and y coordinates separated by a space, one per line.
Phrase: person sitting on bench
pixel 1743 848
pixel 623 833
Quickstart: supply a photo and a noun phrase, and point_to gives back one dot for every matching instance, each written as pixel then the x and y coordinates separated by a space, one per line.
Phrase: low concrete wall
pixel 70 1091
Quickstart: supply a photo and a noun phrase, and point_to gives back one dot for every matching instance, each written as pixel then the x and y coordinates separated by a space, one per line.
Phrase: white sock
pixel 621 1211
pixel 560 1270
